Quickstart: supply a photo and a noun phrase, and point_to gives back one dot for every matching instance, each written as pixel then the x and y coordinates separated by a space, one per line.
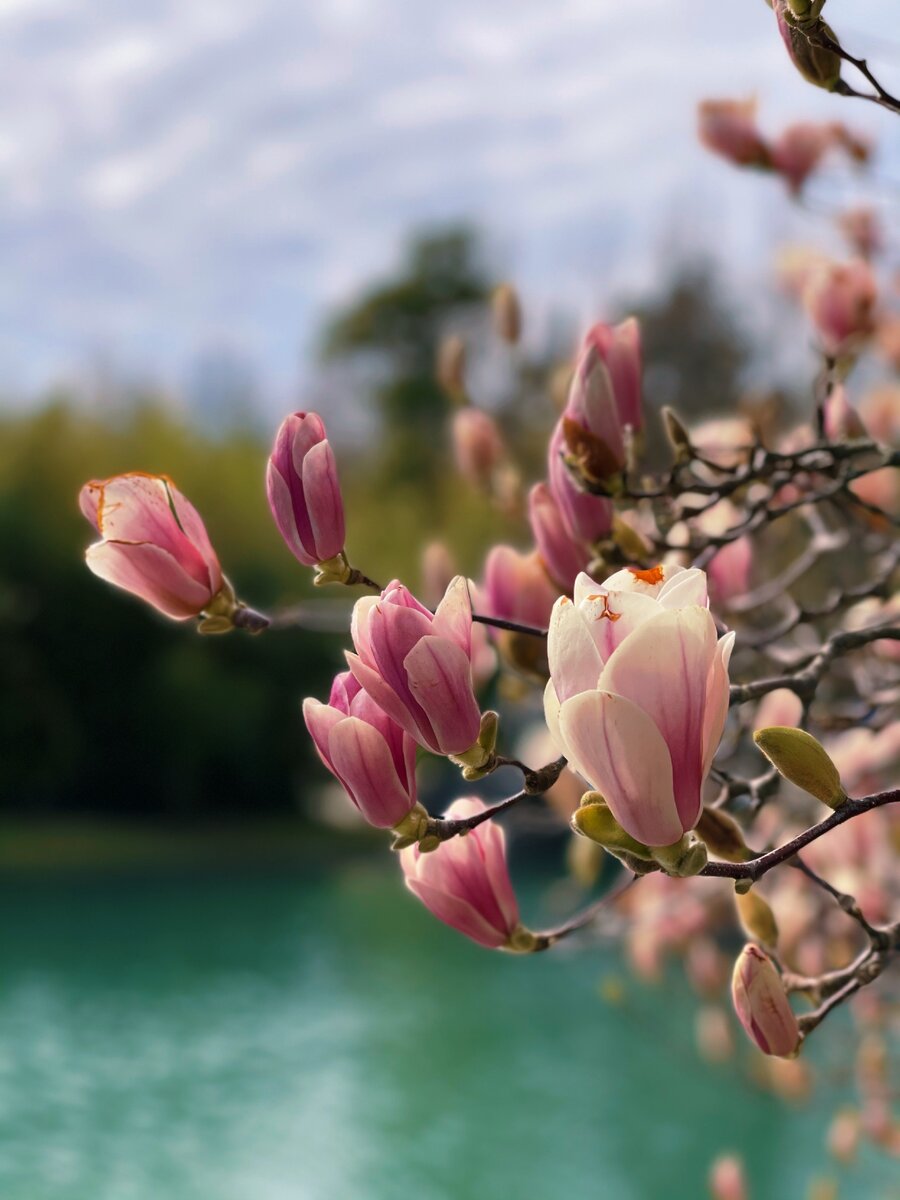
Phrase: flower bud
pixel 516 587
pixel 817 64
pixel 722 835
pixel 761 1003
pixel 304 494
pixel 840 301
pixel 682 859
pixel 477 446
pixel 450 370
pixel 726 1179
pixel 506 313
pixel 728 128
pixel 756 918
pixel 797 756
pixel 594 820
pixel 465 883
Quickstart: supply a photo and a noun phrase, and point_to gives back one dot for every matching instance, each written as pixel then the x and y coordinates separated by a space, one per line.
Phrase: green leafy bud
pixel 757 918
pixel 683 858
pixel 722 835
pixel 595 821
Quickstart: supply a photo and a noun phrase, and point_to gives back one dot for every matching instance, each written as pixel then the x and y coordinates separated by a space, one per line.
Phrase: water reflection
pixel 274 1038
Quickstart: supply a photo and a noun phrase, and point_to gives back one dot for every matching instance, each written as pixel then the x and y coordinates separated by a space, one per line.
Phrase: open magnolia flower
pixel 638 694
pixel 153 543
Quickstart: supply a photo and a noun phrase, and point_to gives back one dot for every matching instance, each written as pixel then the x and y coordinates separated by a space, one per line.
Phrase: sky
pixel 183 179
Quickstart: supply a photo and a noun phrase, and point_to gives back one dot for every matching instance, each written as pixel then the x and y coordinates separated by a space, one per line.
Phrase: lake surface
pixel 320 1037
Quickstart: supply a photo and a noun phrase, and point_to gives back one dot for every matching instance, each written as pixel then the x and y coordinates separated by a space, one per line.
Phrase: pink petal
pixel 365 766
pixel 663 667
pixel 611 617
pixel 619 750
pixel 325 507
pixel 684 588
pixel 282 505
pixel 571 651
pixel 151 573
pixel 320 719
pixel 457 913
pixel 453 616
pixel 385 697
pixel 440 678
pixel 717 700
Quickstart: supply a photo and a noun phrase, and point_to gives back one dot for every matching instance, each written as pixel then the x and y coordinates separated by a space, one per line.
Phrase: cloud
pixel 174 176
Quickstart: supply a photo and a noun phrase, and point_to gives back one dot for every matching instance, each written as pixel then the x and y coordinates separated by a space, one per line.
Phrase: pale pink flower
pixel 477 445
pixel 761 1003
pixel 417 666
pixel 153 543
pixel 840 301
pixel 638 694
pixel 367 752
pixel 728 128
pixel 465 882
pixel 798 151
pixel 303 490
pixel 516 587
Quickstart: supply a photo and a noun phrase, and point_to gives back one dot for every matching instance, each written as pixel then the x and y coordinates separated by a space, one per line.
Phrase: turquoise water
pixel 260 1038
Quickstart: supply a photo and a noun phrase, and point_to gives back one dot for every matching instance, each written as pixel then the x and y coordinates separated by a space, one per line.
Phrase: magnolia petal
pixel 282 505
pixel 363 762
pixel 684 588
pixel 620 751
pixel 320 719
pixel 571 652
pixel 453 616
pixel 612 616
pixel 457 913
pixel 386 698
pixel 325 506
pixel 440 678
pixel 664 668
pixel 151 573
pixel 718 698
pixel 551 715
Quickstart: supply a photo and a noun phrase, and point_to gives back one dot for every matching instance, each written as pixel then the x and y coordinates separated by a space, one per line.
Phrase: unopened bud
pixel 757 918
pixel 683 858
pixel 797 756
pixel 677 434
pixel 594 820
pixel 761 1003
pixel 507 313
pixel 722 835
pixel 450 370
pixel 805 38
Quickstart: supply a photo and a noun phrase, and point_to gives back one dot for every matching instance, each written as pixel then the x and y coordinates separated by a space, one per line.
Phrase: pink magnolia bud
pixel 840 300
pixel 367 752
pixel 516 587
pixel 303 490
pixel 465 882
pixel 798 151
pixel 761 1003
pixel 726 1179
pixel 477 445
pixel 418 666
pixel 842 421
pixel 604 399
pixel 564 556
pixel 153 543
pixel 638 694
pixel 728 128
pixel 588 518
pixel 817 64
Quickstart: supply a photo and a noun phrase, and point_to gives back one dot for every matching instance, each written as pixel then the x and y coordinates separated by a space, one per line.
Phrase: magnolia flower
pixel 418 666
pixel 761 1003
pixel 728 128
pixel 367 752
pixel 840 301
pixel 638 694
pixel 516 587
pixel 798 151
pixel 604 398
pixel 153 543
pixel 563 555
pixel 465 882
pixel 477 445
pixel 303 490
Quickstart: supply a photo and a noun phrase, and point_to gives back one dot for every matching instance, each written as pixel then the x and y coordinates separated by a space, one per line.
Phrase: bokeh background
pixel 210 214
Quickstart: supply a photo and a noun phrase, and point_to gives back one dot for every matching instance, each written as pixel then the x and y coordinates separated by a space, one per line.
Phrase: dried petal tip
pixel 797 756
